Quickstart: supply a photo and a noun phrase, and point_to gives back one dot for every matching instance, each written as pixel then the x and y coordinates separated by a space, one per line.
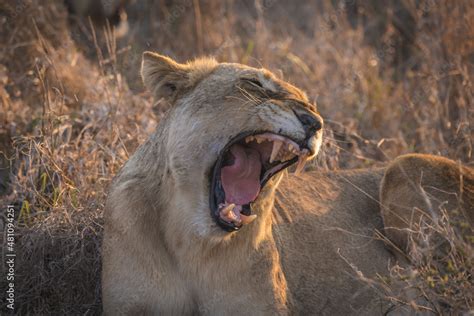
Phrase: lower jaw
pixel 263 205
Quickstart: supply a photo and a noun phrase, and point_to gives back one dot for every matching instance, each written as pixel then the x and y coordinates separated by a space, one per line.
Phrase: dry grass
pixel 438 279
pixel 73 108
pixel 442 267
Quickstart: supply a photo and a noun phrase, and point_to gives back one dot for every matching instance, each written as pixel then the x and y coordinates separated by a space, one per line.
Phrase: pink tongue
pixel 241 181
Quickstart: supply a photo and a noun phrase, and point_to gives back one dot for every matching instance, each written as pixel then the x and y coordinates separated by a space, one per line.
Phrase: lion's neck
pixel 247 241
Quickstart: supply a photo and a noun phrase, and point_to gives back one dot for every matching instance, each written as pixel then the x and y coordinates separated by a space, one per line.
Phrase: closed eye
pixel 254 82
pixel 310 106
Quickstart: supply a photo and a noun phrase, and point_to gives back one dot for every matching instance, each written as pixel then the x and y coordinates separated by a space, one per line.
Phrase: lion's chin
pixel 244 167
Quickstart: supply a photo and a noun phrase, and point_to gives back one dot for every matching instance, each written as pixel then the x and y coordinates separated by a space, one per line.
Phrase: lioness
pixel 195 223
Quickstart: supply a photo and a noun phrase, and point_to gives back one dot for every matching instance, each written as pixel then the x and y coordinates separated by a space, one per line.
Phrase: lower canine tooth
pixel 235 217
pixel 275 150
pixel 247 219
pixel 301 162
pixel 225 211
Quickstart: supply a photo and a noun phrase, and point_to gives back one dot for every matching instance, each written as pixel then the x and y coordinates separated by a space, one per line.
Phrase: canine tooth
pixel 290 147
pixel 275 150
pixel 278 157
pixel 233 216
pixel 247 219
pixel 258 139
pixel 282 154
pixel 301 163
pixel 225 211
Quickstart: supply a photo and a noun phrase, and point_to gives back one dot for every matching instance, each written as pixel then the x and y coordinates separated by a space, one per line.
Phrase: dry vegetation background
pixel 389 78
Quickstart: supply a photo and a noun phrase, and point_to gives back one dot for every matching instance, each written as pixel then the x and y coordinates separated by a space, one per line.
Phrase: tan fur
pixel 418 190
pixel 163 253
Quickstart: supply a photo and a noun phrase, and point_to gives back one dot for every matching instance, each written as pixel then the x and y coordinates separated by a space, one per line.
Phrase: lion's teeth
pixel 275 150
pixel 248 139
pixel 301 163
pixel 233 216
pixel 247 219
pixel 278 157
pixel 225 211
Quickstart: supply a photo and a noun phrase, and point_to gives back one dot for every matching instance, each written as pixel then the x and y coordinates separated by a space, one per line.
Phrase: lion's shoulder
pixel 420 188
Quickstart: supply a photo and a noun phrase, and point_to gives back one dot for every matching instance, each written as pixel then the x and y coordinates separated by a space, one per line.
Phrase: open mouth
pixel 242 170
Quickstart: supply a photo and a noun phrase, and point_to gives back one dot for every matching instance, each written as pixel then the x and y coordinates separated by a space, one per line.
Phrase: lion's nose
pixel 311 122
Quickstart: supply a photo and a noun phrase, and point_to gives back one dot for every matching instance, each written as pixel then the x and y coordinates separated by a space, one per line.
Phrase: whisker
pixel 249 95
pixel 353 154
pixel 244 101
pixel 337 140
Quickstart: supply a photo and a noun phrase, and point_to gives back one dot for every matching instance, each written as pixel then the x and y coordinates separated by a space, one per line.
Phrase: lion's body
pixel 315 236
pixel 321 223
pixel 326 233
pixel 416 188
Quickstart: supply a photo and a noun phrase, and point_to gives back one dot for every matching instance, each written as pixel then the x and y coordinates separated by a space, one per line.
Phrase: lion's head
pixel 230 129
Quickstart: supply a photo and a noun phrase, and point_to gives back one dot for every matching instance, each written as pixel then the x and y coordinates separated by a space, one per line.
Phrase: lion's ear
pixel 164 77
